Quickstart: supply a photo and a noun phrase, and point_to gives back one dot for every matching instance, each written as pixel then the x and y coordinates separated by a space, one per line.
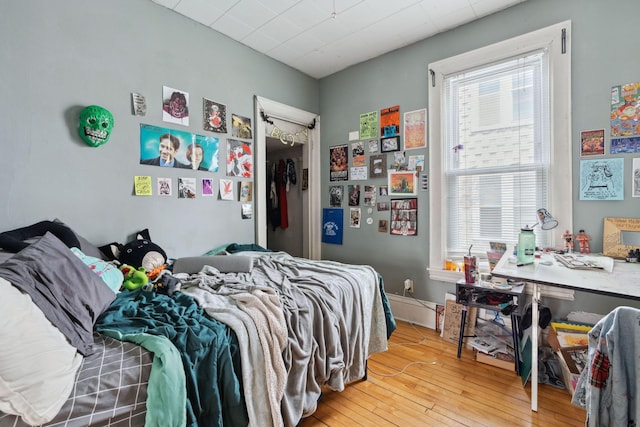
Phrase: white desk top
pixel 623 281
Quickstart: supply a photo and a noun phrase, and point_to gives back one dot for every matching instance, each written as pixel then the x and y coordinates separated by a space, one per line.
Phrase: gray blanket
pixel 334 321
pixel 69 294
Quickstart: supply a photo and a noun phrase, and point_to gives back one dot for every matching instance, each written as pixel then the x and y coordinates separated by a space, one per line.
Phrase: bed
pixel 251 338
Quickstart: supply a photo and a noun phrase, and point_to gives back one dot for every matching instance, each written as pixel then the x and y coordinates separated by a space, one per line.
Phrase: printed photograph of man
pixel 168 148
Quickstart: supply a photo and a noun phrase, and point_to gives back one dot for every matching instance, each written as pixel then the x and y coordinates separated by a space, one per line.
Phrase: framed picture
pixel 391 143
pixel 620 235
pixel 402 183
pixel 404 217
pixel 576 358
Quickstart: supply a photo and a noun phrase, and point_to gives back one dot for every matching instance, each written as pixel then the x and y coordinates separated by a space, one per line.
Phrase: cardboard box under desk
pixel 494 361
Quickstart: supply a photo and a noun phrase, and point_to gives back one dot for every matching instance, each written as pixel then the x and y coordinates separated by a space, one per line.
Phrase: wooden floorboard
pixel 420 381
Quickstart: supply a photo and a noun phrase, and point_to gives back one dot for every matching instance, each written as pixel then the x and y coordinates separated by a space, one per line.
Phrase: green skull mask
pixel 95 126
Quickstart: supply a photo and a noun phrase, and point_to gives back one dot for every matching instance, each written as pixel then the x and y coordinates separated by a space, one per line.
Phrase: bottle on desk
pixel 526 246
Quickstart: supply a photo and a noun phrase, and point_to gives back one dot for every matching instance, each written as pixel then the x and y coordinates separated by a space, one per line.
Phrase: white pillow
pixel 38 366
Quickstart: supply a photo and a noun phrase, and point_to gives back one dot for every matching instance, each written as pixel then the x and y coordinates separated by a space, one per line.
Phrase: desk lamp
pixel 527 240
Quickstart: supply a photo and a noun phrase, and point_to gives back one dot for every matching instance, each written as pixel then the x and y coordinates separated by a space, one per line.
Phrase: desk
pixel 623 281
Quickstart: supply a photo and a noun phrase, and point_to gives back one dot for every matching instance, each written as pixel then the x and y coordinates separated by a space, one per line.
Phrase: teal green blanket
pixel 208 349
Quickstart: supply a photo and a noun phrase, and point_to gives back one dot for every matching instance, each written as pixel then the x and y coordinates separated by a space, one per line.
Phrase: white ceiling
pixel 321 37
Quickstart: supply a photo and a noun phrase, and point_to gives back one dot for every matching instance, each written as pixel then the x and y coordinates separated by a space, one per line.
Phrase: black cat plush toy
pixel 140 252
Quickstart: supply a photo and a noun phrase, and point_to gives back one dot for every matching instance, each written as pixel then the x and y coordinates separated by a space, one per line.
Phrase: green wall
pixel 603 54
pixel 57 57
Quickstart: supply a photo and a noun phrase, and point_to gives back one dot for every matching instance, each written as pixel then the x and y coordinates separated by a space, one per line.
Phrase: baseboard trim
pixel 415 311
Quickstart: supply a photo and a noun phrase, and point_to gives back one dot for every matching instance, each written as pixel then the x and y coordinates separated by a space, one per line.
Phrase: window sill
pixel 445 275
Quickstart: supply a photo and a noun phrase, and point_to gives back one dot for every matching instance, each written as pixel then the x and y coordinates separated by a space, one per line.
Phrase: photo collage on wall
pixel 382 165
pixel 168 147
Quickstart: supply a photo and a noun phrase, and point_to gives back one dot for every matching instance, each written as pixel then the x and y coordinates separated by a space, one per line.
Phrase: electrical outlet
pixel 408 285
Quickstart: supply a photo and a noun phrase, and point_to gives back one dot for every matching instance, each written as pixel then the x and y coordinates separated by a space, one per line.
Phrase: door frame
pixel 311 237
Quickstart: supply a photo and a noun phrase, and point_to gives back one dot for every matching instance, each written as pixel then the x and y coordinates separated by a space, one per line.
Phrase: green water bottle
pixel 526 245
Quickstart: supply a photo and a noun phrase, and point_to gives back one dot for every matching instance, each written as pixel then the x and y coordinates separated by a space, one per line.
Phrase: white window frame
pixel 556 40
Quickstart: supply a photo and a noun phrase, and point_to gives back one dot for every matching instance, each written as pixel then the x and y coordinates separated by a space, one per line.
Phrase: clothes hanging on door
pixel 282 194
pixel 272 197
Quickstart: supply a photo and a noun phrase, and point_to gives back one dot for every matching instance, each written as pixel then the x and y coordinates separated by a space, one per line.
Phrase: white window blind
pixel 496 158
pixel 499 145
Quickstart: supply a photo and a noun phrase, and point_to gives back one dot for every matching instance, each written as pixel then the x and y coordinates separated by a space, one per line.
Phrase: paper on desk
pixel 585 262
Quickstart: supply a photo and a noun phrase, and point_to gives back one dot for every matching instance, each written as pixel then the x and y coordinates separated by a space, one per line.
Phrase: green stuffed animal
pixel 133 279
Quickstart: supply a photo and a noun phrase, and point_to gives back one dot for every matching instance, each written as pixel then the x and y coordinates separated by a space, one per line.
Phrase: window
pixel 500 145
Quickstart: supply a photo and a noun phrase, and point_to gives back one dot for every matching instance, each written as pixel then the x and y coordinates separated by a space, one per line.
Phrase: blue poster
pixel 602 179
pixel 332 221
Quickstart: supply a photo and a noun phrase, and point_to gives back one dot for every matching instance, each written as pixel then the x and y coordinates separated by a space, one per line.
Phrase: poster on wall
pixel 165 147
pixel 390 121
pixel 186 188
pixel 336 193
pixel 355 214
pixel 354 194
pixel 625 111
pixel 241 127
pixel 165 187
pixel 215 116
pixel 357 153
pixel 207 187
pixel 175 106
pixel 404 217
pixel 625 145
pixel 338 163
pixel 602 179
pixel 239 158
pixel 369 125
pixel 415 129
pixel 592 142
pixel 378 166
pixel 332 222
pixel 635 166
pixel 402 183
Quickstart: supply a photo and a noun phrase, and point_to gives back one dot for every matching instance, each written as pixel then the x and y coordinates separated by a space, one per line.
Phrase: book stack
pixel 570 342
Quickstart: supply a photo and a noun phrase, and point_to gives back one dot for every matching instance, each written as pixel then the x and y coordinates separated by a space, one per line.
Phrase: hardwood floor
pixel 436 388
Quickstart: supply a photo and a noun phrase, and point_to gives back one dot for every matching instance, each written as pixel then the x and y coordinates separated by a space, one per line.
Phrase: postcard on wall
pixel 416 163
pixel 336 193
pixel 239 158
pixel 332 224
pixel 172 148
pixel 354 194
pixel 635 179
pixel 404 217
pixel 369 125
pixel 374 146
pixel 241 127
pixel 602 179
pixel 245 191
pixel 142 186
pixel 625 110
pixel 369 195
pixel 391 143
pixel 214 116
pixel 175 106
pixel 207 187
pixel 165 188
pixel 625 145
pixel 138 104
pixel 402 183
pixel 384 190
pixel 226 189
pixel 390 121
pixel 592 142
pixel 358 173
pixel 186 188
pixel 383 206
pixel 357 152
pixel 383 225
pixel 338 163
pixel 247 211
pixel 378 165
pixel 355 215
pixel 415 129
